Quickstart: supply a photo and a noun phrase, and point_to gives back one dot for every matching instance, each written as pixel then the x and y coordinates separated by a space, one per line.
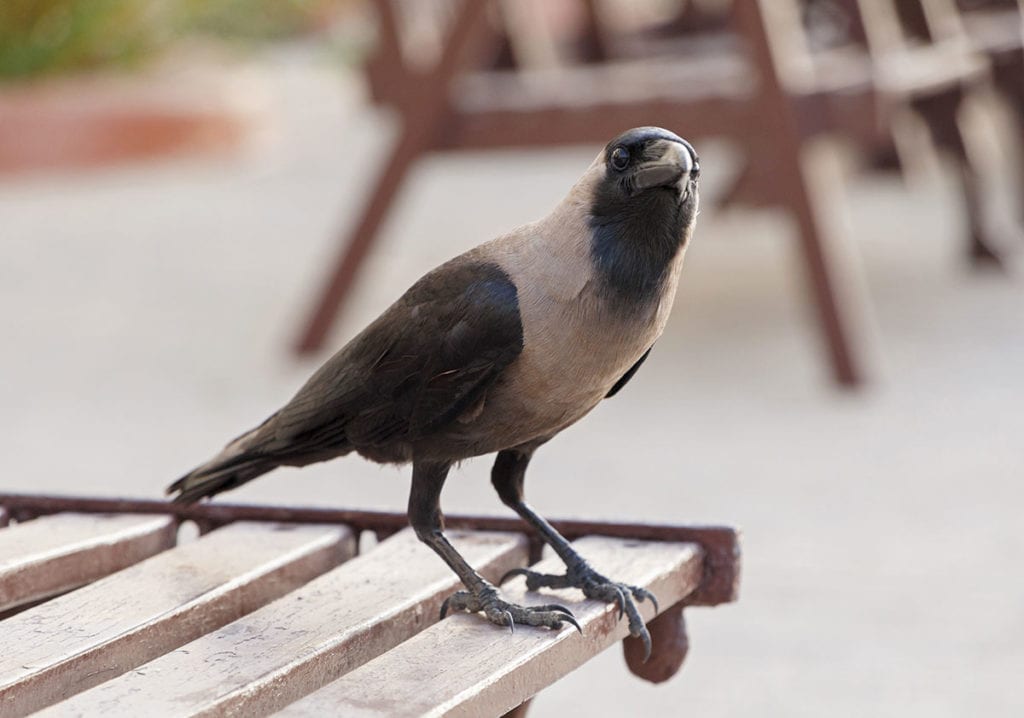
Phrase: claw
pixel 622 600
pixel 645 636
pixel 569 618
pixel 643 594
pixel 444 608
pixel 512 622
pixel 555 607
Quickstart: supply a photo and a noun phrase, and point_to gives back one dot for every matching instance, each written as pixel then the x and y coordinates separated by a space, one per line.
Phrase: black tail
pixel 243 459
pixel 219 475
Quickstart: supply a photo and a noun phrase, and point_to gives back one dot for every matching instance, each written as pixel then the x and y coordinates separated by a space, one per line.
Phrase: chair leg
pixel 838 311
pixel 791 182
pixel 424 112
pixel 805 197
pixel 1009 79
pixel 940 114
pixel 346 266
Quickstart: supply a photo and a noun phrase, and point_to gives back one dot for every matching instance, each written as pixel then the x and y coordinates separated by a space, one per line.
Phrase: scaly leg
pixel 507 476
pixel 428 522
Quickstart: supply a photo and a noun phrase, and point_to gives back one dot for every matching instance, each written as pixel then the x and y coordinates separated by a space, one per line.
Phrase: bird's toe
pixel 626 598
pixel 503 613
pixel 595 586
pixel 535 580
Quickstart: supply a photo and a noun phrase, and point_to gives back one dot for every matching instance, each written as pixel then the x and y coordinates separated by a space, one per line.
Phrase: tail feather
pixel 209 480
pixel 253 454
pixel 193 487
pixel 239 462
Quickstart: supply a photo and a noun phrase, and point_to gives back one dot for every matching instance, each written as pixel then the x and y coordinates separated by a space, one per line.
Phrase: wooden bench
pixel 276 609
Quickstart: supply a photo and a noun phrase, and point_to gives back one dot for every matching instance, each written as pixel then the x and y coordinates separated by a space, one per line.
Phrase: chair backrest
pixel 896 25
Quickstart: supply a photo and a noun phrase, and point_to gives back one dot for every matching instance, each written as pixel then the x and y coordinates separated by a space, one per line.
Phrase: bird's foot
pixel 580 575
pixel 507 614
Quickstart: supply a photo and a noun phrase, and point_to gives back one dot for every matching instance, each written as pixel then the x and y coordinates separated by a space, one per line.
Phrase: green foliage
pixel 42 37
pixel 252 19
pixel 49 36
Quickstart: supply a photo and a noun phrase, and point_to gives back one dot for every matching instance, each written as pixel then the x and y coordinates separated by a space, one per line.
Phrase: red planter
pixel 89 121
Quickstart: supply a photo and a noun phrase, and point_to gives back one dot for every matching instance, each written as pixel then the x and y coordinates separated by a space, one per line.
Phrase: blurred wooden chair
pixel 996 28
pixel 898 57
pixel 737 93
pixel 759 76
pixel 925 61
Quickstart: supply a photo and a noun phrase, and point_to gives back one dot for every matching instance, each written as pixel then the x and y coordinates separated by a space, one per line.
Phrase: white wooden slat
pixel 98 632
pixel 304 640
pixel 465 666
pixel 54 554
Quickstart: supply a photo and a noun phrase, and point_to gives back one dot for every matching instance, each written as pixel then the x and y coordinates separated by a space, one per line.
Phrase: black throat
pixel 635 239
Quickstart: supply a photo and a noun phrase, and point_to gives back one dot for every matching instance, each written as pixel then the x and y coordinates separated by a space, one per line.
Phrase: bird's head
pixel 642 194
pixel 648 162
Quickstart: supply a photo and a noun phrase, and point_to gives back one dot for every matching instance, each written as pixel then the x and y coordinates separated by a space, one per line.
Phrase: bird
pixel 497 351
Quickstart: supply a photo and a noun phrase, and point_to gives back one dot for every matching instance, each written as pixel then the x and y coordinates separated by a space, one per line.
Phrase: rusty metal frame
pixel 720 543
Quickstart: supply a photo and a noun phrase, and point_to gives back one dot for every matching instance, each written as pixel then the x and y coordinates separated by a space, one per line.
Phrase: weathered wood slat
pixel 54 554
pixel 284 651
pixel 466 667
pixel 81 639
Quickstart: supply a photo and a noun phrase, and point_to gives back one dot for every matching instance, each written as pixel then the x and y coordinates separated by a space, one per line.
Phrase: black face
pixel 641 210
pixel 634 160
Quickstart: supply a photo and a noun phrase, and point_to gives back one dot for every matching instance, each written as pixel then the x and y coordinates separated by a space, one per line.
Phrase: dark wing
pixel 624 379
pixel 415 369
pixel 427 359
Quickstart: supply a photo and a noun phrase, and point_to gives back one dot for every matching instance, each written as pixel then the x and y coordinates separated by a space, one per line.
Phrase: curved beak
pixel 676 163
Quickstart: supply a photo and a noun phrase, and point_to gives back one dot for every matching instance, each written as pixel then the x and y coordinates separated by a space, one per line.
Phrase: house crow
pixel 498 350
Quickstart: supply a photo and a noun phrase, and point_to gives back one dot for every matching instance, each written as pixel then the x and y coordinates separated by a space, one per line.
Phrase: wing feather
pixel 427 359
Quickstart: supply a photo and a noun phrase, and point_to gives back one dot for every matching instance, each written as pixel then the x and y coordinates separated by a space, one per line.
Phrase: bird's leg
pixel 507 476
pixel 480 595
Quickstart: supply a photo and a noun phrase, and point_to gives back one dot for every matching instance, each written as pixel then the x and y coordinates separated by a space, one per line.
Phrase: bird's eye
pixel 620 158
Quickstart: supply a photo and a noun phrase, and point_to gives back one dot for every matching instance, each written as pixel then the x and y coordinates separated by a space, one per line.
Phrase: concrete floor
pixel 148 312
